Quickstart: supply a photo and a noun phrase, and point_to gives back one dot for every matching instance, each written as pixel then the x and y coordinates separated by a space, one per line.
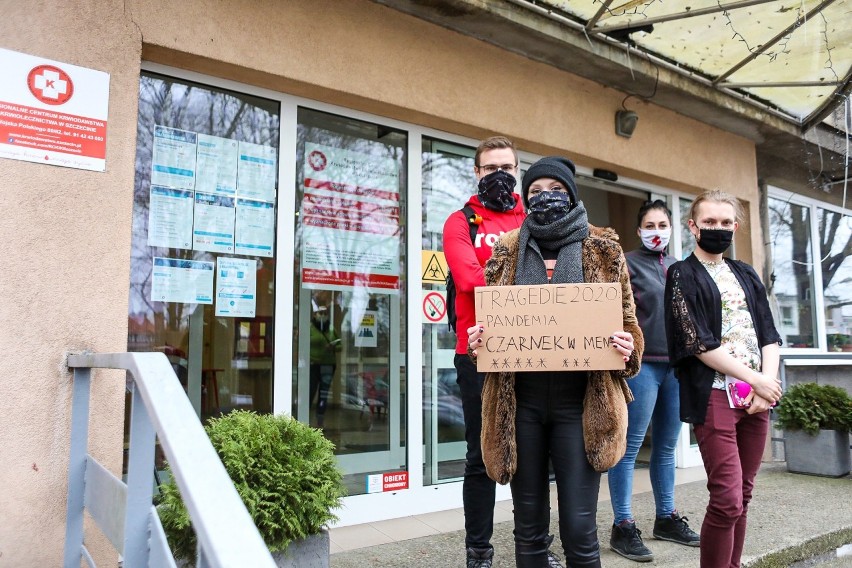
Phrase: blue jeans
pixel 656 398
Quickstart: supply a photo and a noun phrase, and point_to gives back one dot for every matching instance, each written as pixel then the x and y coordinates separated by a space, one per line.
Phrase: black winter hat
pixel 556 167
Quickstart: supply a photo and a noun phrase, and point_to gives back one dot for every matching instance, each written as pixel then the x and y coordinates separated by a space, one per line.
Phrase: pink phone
pixel 737 393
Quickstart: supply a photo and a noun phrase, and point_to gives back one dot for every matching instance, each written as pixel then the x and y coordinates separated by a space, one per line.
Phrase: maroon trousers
pixel 731 442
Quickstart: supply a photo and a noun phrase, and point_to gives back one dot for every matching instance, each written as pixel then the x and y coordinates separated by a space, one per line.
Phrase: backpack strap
pixel 473 221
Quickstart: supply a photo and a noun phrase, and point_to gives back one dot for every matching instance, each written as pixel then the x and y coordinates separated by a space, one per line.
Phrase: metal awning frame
pixel 603 33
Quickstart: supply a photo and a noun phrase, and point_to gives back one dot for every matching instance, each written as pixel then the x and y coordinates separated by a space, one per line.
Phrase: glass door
pixel 448 182
pixel 350 321
pixel 202 284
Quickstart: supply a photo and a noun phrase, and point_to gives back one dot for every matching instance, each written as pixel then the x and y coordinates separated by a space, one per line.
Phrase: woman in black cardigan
pixel 718 325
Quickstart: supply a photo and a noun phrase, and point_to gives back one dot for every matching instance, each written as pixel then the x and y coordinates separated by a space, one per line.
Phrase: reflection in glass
pixel 792 272
pixel 835 232
pixel 223 362
pixel 350 325
pixel 448 182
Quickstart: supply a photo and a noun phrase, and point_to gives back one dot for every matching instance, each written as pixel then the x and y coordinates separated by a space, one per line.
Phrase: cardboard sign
pixel 549 327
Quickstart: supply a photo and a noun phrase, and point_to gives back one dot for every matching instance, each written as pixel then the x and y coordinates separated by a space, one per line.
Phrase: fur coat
pixel 607 394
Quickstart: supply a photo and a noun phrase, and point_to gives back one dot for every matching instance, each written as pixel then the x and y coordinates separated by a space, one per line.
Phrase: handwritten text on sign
pixel 549 327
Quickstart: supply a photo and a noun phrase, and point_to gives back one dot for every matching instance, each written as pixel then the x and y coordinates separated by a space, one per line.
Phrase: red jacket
pixel 466 259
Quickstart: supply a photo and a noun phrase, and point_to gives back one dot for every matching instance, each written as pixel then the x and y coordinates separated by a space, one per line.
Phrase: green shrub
pixel 812 407
pixel 284 470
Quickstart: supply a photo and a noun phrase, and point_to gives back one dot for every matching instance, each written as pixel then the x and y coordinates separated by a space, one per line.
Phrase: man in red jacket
pixel 498 209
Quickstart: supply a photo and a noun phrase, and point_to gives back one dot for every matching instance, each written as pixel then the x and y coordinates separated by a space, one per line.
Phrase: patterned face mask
pixel 655 239
pixel 550 206
pixel 496 191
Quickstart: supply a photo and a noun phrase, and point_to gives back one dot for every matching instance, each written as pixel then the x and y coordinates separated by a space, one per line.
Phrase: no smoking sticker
pixel 434 307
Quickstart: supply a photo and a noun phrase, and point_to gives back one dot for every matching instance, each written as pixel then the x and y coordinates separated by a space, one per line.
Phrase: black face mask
pixel 715 241
pixel 550 206
pixel 495 191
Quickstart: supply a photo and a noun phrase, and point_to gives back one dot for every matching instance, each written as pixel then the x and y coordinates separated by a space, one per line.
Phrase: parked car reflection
pixel 446 406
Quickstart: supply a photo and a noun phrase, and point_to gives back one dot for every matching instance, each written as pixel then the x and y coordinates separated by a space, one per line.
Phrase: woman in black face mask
pixel 575 420
pixel 720 330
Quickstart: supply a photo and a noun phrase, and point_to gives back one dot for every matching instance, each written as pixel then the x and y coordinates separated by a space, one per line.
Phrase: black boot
pixel 479 557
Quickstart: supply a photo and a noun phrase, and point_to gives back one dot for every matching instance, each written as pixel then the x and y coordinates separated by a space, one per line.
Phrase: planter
pixel 312 552
pixel 825 454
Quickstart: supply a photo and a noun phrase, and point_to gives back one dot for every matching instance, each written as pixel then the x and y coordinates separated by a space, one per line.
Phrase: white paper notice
pixel 182 281
pixel 216 165
pixel 256 172
pixel 236 287
pixel 170 218
pixel 213 228
pixel 173 163
pixel 255 231
pixel 350 219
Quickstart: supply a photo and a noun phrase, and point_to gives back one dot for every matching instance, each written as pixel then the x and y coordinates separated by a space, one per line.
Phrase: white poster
pixel 170 218
pixel 255 228
pixel 52 112
pixel 350 220
pixel 173 163
pixel 368 332
pixel 236 287
pixel 216 165
pixel 182 281
pixel 256 171
pixel 213 226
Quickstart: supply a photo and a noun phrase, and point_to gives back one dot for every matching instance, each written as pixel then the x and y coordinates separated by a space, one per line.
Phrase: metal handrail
pixel 227 536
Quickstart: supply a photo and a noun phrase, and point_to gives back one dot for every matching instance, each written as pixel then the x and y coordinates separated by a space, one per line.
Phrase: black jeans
pixel 321 377
pixel 549 426
pixel 478 489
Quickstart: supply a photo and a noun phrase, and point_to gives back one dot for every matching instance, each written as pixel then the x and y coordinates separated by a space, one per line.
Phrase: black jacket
pixel 694 326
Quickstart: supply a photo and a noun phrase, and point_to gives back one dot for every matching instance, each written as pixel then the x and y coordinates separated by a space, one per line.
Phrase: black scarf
pixel 565 236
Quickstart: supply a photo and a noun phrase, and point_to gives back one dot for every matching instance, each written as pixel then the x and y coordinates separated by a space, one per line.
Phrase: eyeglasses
pixel 491 168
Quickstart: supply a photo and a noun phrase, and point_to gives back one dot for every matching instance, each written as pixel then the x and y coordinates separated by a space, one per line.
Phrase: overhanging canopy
pixel 794 56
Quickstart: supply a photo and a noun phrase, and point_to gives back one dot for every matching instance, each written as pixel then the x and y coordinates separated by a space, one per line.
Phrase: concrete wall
pixel 64 281
pixel 839 376
pixel 67 232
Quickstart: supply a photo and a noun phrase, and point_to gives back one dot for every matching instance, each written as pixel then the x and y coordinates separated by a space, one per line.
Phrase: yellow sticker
pixel 434 265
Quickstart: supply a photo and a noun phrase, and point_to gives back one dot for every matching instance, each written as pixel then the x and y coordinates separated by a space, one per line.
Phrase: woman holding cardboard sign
pixel 718 324
pixel 575 420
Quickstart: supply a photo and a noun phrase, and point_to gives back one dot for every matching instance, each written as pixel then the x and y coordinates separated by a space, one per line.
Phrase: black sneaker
pixel 675 529
pixel 626 540
pixel 479 557
pixel 552 559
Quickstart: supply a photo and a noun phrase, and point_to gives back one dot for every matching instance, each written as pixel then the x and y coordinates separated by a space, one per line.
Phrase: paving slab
pixel 792 517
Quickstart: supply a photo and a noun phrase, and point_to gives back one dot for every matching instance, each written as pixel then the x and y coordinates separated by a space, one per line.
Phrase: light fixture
pixel 625 122
pixel 608 175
